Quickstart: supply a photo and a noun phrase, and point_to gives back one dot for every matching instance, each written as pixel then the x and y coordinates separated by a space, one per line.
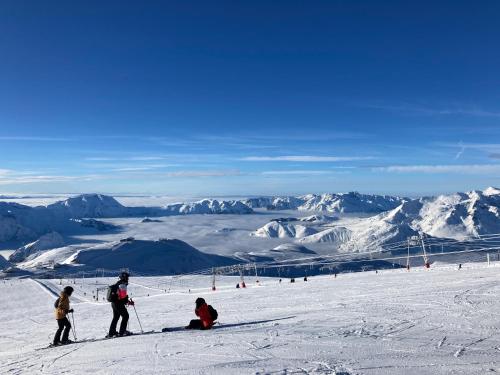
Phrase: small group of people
pixel 118 296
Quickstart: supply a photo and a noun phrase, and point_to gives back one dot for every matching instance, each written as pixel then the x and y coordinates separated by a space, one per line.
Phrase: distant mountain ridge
pixel 458 216
pixel 352 202
pixel 25 223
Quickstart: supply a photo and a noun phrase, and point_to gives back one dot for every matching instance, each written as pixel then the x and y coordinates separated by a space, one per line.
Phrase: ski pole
pixel 73 326
pixel 140 325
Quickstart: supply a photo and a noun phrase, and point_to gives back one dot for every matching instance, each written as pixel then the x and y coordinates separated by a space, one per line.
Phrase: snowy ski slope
pixel 437 321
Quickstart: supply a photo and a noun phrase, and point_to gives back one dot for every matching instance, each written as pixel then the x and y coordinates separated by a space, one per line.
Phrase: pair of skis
pixel 51 346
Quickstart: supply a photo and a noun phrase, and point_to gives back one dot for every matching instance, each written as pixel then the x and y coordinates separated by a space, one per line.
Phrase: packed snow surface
pixel 437 321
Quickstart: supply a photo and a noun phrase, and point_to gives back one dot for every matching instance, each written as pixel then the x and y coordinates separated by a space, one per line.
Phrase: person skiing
pixel 119 300
pixel 62 309
pixel 202 310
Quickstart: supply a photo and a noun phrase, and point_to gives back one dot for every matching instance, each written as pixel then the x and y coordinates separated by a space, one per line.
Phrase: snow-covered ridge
pixel 275 229
pixel 352 202
pixel 208 206
pixel 24 223
pixel 162 257
pixel 459 216
pixel 48 241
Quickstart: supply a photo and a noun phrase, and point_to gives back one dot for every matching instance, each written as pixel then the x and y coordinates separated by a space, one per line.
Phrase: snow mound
pixel 209 206
pixel 161 257
pixel 281 252
pixel 337 235
pixel 89 205
pixel 291 248
pixel 48 241
pixel 148 220
pixel 275 229
pixel 491 191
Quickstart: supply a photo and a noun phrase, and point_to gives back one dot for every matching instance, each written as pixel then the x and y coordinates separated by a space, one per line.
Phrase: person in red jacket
pixel 202 311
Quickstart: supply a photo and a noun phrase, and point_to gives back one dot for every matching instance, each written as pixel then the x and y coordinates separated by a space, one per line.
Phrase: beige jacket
pixel 63 306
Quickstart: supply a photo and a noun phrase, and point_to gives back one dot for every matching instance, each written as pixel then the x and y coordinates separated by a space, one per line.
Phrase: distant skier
pixel 117 295
pixel 62 309
pixel 207 314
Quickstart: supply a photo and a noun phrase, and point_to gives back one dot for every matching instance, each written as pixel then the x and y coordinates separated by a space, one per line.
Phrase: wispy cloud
pixel 306 158
pixel 221 173
pixel 126 167
pixel 31 179
pixel 433 111
pixel 460 153
pixel 139 168
pixel 302 172
pixel 477 146
pixel 461 169
pixel 34 139
pixel 130 158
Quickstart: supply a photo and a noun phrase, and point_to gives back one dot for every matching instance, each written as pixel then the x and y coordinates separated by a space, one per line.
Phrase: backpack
pixel 56 303
pixel 111 294
pixel 213 313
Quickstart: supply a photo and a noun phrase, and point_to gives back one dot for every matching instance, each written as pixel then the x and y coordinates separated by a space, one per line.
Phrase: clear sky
pixel 249 97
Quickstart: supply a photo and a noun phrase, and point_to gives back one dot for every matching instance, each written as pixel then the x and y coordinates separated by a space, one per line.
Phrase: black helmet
pixel 68 290
pixel 124 276
pixel 199 301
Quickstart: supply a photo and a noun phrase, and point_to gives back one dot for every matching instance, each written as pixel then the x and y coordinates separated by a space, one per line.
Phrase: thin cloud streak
pixel 415 109
pixel 436 169
pixel 304 172
pixel 34 139
pixel 204 173
pixel 306 158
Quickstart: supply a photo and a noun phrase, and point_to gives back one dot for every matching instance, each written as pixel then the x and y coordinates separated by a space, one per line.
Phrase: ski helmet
pixel 123 276
pixel 68 290
pixel 199 301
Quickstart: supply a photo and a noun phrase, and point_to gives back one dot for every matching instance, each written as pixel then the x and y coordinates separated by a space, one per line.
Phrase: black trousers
pixel 119 310
pixel 63 324
pixel 195 324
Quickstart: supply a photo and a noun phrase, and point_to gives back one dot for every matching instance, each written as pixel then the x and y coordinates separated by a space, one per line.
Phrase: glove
pixel 131 303
pixel 70 311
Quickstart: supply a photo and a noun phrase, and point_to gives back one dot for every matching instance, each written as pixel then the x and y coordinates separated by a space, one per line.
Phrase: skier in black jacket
pixel 119 302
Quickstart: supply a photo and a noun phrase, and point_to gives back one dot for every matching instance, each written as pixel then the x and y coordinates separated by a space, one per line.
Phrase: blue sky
pixel 239 98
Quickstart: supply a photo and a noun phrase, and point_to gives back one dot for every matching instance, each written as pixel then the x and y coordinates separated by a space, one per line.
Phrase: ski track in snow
pixel 440 321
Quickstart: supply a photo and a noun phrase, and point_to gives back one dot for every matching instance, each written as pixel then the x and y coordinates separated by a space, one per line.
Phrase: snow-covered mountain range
pixel 457 216
pixel 25 223
pixel 352 202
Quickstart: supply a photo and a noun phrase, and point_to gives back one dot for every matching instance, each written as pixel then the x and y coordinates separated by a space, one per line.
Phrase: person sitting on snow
pixel 206 313
pixel 62 309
